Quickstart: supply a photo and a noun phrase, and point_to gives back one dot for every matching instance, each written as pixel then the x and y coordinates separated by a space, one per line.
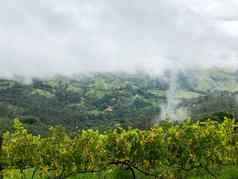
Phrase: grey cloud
pixel 46 37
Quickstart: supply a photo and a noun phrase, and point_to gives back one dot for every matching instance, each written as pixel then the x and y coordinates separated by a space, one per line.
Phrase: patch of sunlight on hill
pixel 159 93
pixel 207 83
pixel 74 89
pixel 231 86
pixel 186 94
pixel 41 92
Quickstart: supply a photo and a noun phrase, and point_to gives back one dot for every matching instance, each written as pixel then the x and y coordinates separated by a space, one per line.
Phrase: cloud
pixel 46 37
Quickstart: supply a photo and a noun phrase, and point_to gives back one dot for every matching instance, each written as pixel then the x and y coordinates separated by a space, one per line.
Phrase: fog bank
pixel 48 37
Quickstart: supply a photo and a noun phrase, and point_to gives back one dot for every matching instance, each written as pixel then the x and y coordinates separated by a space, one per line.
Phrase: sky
pixel 48 37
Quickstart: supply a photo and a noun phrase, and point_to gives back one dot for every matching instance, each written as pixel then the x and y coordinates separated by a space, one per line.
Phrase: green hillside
pixel 103 100
pixel 93 101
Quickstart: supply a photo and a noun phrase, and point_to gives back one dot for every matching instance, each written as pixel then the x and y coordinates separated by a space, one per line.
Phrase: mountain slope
pixel 105 100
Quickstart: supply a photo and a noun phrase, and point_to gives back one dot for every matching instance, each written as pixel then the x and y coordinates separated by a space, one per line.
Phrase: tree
pixel 1 167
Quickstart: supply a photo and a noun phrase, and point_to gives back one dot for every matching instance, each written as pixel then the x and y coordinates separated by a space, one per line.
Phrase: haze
pixel 47 37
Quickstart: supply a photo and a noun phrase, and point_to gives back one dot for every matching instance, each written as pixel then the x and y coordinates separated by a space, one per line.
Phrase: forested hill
pixel 93 101
pixel 104 100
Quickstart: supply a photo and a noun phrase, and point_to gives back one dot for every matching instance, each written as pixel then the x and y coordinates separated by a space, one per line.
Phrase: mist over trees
pixel 103 100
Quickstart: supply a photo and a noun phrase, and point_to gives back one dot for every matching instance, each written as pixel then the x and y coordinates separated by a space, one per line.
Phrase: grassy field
pixel 225 173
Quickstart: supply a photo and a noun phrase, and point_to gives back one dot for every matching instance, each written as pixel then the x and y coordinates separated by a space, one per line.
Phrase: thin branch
pixel 209 171
pixel 144 172
pixel 34 173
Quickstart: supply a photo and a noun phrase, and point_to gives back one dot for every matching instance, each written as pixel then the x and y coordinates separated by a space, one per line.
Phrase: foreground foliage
pixel 168 150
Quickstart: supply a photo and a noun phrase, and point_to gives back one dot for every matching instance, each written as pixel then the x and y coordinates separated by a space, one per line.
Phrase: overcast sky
pixel 45 37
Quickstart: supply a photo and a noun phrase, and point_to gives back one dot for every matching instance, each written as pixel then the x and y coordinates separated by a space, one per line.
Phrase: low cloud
pixel 47 37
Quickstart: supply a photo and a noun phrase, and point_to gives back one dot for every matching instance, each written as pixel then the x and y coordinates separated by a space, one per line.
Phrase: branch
pixel 144 172
pixel 127 163
pixel 209 171
pixel 34 173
